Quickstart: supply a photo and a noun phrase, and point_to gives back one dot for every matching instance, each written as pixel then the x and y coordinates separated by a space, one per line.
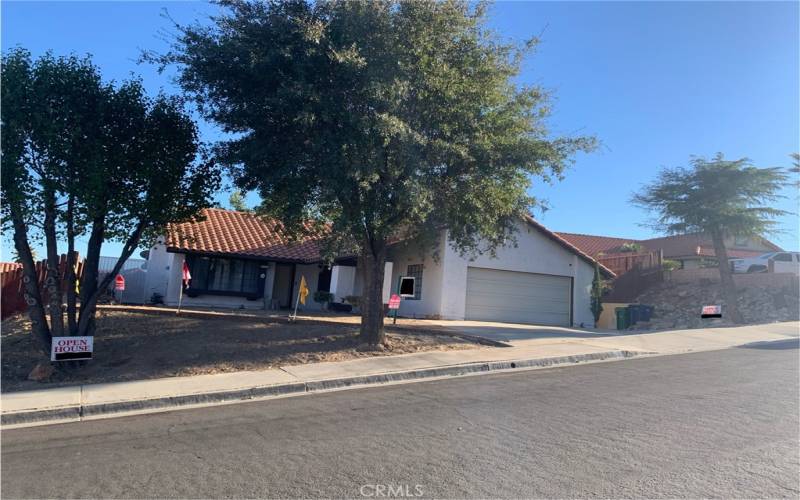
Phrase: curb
pixel 81 412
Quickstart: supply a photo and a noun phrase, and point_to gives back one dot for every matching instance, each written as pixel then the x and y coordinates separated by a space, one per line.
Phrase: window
pixel 223 276
pixel 415 271
pixel 783 257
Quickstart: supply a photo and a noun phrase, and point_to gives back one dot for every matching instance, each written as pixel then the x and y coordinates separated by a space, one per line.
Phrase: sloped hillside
pixel 677 305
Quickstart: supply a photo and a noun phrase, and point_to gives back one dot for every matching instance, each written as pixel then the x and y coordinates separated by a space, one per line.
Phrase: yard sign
pixel 711 312
pixel 71 348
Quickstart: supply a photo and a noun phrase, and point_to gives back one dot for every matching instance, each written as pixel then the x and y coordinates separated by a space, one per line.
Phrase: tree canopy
pixel 374 118
pixel 731 196
pixel 84 157
pixel 717 197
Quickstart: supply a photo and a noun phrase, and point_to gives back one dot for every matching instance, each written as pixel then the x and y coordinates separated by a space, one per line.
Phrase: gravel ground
pixel 132 346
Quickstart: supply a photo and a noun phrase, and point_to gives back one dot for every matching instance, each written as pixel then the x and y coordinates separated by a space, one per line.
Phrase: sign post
pixel 394 303
pixel 302 293
pixel 186 276
pixel 119 285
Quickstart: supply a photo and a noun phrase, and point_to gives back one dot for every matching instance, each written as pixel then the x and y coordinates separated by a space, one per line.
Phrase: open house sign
pixel 71 348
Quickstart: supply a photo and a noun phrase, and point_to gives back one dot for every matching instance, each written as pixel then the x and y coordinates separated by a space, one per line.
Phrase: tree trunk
pixel 88 286
pixel 33 297
pixel 727 284
pixel 71 278
pixel 89 303
pixel 371 305
pixel 53 280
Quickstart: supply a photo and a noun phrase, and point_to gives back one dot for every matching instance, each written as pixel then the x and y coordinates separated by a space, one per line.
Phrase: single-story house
pixel 690 250
pixel 237 259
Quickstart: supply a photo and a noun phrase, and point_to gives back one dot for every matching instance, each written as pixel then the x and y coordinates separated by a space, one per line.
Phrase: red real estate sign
pixel 711 312
pixel 119 283
pixel 394 301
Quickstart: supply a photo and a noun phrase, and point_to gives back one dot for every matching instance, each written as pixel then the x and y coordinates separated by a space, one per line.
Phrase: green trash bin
pixel 623 317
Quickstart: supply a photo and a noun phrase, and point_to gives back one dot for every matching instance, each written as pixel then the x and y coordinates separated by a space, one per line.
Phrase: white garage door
pixel 514 297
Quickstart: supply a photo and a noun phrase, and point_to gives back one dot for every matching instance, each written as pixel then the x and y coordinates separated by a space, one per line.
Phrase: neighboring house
pixel 691 250
pixel 240 260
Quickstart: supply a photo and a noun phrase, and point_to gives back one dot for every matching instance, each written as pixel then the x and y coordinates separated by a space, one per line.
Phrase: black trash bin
pixel 646 312
pixel 634 314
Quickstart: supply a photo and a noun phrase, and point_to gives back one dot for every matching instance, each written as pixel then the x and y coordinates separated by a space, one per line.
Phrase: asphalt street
pixel 711 424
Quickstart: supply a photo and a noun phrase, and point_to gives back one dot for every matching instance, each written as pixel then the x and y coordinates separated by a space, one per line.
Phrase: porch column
pixel 342 281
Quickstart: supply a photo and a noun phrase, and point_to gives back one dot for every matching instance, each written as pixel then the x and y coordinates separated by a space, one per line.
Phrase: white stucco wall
pixel 444 281
pixel 444 289
pixel 429 305
pixel 581 294
pixel 343 281
pixel 158 262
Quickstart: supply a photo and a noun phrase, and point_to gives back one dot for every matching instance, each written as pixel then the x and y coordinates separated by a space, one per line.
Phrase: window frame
pixel 417 280
pixel 783 254
pixel 194 291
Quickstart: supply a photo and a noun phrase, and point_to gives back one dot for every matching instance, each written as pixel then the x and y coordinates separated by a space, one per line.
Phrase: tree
pixel 720 198
pixel 236 201
pixel 375 120
pixel 16 258
pixel 89 158
pixel 596 296
pixel 631 246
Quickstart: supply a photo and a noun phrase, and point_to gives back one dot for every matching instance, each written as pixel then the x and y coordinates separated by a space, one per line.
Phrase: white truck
pixel 783 262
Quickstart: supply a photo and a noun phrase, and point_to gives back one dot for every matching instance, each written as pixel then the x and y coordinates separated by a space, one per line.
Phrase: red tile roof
pixel 705 251
pixel 568 245
pixel 240 234
pixel 681 245
pixel 686 245
pixel 595 245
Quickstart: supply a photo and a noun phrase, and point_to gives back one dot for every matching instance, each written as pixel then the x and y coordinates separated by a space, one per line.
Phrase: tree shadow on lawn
pixel 135 346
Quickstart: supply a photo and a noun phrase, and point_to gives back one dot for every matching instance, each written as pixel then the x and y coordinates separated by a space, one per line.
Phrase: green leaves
pixel 124 157
pixel 730 196
pixel 373 117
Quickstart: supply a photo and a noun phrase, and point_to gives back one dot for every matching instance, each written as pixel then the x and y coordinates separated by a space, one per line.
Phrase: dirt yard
pixel 135 345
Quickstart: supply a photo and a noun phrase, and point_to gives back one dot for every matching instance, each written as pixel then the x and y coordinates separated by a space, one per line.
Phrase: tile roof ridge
pixel 597 236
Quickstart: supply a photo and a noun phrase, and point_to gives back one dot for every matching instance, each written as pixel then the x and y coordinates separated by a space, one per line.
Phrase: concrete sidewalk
pixel 87 402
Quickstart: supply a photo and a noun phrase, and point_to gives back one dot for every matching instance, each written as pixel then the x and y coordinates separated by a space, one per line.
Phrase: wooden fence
pixel 624 262
pixel 12 291
pixel 635 273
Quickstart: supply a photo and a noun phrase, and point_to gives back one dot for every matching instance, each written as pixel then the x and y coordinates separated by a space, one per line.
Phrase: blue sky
pixel 655 82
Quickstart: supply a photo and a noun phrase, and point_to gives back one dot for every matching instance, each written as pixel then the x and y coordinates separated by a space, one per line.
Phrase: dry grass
pixel 135 345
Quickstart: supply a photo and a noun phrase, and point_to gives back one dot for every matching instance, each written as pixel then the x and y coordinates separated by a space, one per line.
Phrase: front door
pixel 282 289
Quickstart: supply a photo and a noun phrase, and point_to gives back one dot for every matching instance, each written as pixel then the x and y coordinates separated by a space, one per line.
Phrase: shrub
pixel 323 297
pixel 631 247
pixel 670 265
pixel 353 299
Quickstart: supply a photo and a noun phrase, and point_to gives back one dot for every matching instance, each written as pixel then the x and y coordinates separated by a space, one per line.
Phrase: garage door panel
pixel 494 295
